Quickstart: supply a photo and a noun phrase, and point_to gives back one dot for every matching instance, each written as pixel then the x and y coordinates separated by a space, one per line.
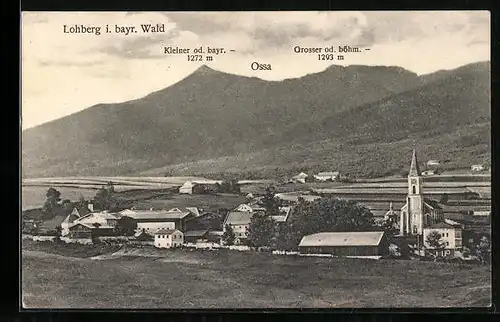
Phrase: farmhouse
pixel 187 188
pixel 169 238
pixel 104 219
pixel 325 176
pixel 152 220
pixel 418 212
pixel 433 163
pixel 300 178
pixel 477 167
pixel 370 243
pixel 239 222
pixel 451 237
pixel 250 207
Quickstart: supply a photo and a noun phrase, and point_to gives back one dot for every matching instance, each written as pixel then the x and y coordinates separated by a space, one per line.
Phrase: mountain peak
pixel 204 69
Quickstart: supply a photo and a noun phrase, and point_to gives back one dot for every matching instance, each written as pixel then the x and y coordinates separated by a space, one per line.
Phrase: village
pixel 296 222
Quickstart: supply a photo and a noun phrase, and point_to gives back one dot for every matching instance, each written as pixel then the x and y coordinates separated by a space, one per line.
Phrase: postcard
pixel 292 159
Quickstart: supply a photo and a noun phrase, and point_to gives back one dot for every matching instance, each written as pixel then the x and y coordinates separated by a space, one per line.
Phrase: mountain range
pixel 361 119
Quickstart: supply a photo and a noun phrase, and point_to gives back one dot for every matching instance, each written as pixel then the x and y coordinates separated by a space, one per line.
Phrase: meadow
pixel 230 279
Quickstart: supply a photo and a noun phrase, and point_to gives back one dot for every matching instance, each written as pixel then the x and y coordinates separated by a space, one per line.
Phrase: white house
pixel 433 163
pixel 239 222
pixel 324 176
pixel 451 237
pixel 477 167
pixel 300 178
pixel 429 173
pixel 168 238
pixel 187 188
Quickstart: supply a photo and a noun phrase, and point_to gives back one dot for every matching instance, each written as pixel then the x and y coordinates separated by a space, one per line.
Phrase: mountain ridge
pixel 211 114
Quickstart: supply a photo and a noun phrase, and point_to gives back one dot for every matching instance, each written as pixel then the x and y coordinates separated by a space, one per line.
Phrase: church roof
pixel 414 168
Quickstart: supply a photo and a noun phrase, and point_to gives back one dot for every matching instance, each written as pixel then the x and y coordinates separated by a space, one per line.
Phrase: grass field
pixel 229 279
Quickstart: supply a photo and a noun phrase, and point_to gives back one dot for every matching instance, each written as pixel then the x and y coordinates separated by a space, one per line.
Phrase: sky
pixel 63 73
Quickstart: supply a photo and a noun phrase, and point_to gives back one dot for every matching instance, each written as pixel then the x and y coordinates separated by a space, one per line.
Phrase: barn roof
pixel 365 238
pixel 155 214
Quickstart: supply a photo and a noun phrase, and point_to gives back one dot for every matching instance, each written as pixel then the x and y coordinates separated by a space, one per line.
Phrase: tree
pixel 483 250
pixel 51 204
pixel 261 230
pixel 435 243
pixel 228 237
pixel 126 226
pixel 105 198
pixel 325 215
pixel 270 203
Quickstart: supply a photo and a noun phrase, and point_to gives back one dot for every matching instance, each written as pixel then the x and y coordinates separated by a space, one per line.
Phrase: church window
pixel 414 190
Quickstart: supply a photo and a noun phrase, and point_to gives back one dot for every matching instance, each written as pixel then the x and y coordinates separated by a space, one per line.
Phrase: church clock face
pixel 413 181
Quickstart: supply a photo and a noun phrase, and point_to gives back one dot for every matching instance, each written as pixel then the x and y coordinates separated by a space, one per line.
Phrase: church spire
pixel 414 169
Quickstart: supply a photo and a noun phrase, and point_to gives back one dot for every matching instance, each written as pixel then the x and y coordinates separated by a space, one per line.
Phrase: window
pixel 446 234
pixel 447 244
pixel 414 190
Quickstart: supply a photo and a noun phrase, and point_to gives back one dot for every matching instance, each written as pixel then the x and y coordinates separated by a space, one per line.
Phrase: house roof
pixel 365 238
pixel 301 175
pixel 414 168
pixel 80 211
pixel 155 214
pixel 195 233
pixel 238 218
pixel 441 225
pixel 164 231
pixel 102 214
pixel 194 210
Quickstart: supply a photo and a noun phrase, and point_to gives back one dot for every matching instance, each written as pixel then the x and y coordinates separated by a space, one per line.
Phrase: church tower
pixel 412 217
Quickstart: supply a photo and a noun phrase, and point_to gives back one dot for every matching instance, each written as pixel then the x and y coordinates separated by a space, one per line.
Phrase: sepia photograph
pixel 255 159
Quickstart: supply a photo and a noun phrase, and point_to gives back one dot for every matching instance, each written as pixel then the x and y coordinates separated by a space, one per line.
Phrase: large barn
pixel 370 243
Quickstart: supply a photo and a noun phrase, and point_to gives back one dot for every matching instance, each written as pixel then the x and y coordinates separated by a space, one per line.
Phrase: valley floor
pixel 228 279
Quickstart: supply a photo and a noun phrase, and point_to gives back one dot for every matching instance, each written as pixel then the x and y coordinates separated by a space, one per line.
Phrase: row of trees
pixel 321 215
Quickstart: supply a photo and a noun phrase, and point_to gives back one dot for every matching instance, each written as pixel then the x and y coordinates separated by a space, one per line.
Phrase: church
pixel 418 212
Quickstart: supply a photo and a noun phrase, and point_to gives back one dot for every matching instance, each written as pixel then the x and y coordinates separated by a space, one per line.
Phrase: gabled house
pixel 168 238
pixel 239 222
pixel 187 188
pixel 103 220
pixel 300 178
pixel 477 167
